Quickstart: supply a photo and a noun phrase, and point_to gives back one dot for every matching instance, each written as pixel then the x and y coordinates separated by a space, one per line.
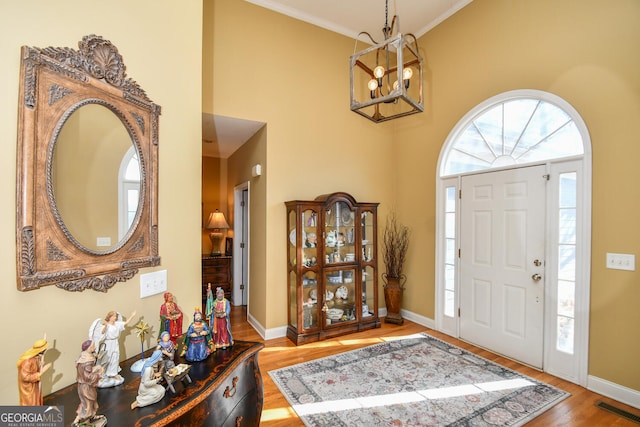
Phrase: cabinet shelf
pixel 332 267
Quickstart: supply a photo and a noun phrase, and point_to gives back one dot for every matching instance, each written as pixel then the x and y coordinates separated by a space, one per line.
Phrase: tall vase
pixel 393 288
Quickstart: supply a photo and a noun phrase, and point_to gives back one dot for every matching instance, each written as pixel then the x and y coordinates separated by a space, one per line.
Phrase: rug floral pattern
pixel 415 381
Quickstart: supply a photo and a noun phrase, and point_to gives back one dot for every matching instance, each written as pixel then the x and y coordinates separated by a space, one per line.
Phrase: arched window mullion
pixel 545 138
pixel 484 140
pixel 524 128
pixel 466 153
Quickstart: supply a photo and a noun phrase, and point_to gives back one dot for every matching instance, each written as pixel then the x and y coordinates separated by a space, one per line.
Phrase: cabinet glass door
pixel 339 239
pixel 303 267
pixel 309 300
pixel 368 292
pixel 309 238
pixel 340 296
pixel 308 245
pixel 368 236
pixel 291 267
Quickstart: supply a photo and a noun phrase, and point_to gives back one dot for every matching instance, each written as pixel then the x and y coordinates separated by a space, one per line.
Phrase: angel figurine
pixel 105 334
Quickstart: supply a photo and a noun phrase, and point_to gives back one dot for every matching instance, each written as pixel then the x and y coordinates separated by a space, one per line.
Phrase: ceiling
pixel 222 136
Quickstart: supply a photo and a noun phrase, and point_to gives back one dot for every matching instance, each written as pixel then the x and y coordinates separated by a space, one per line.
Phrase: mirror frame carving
pixel 55 82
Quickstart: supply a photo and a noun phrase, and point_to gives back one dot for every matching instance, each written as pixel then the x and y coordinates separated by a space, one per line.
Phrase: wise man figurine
pixel 170 317
pixel 221 321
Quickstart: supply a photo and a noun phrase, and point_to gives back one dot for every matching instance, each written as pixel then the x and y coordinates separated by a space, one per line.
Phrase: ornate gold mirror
pixel 87 185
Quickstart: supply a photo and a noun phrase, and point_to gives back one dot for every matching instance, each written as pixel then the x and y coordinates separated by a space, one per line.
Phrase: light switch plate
pixel 621 261
pixel 103 241
pixel 153 283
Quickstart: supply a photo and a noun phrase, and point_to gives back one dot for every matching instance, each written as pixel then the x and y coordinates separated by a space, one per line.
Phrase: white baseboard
pixel 415 318
pixel 256 325
pixel 276 333
pixel 615 391
pixel 266 334
pixel 420 320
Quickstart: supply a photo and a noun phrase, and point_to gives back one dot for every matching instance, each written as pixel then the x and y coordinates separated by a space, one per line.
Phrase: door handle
pixel 536 277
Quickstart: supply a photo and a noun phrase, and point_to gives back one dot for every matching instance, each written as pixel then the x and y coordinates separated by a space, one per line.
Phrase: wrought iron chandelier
pixel 386 78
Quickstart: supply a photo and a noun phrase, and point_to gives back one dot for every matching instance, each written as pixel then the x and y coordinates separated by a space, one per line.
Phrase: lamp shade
pixel 217 220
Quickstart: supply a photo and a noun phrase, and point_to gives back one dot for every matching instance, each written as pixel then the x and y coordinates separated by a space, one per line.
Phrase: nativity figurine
pixel 221 321
pixel 171 317
pixel 88 376
pixel 168 350
pixel 149 391
pixel 105 335
pixel 197 340
pixel 31 367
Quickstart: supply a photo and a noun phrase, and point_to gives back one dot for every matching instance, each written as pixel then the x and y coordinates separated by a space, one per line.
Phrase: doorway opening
pixel 241 226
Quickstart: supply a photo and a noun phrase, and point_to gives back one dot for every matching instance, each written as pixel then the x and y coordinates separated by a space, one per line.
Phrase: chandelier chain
pixel 386 18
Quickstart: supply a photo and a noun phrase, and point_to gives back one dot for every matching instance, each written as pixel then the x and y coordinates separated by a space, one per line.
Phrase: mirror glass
pixel 90 181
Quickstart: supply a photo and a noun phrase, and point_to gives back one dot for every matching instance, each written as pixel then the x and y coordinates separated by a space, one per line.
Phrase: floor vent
pixel 618 411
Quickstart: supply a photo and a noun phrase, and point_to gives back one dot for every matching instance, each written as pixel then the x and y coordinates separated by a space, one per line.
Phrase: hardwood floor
pixel 577 410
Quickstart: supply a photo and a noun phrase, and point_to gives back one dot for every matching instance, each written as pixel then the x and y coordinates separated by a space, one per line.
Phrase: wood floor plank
pixel 578 410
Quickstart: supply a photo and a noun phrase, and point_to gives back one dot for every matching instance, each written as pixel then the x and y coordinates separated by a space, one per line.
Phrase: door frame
pixel 576 369
pixel 239 262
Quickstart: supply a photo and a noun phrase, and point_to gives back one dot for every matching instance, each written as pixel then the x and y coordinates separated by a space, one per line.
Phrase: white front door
pixel 502 280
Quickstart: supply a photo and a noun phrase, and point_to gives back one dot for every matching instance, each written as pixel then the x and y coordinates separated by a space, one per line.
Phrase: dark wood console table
pixel 226 390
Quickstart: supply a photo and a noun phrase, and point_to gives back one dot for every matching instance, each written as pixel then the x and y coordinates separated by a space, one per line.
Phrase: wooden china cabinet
pixel 332 267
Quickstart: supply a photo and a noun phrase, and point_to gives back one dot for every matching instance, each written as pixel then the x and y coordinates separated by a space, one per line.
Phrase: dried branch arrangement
pixel 395 245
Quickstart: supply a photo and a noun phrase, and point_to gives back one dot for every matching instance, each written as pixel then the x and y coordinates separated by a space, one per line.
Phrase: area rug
pixel 414 381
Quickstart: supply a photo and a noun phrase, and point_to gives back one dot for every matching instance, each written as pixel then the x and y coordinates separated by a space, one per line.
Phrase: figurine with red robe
pixel 170 317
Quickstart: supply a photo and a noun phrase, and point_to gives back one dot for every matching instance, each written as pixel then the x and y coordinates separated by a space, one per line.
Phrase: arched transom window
pixel 513 132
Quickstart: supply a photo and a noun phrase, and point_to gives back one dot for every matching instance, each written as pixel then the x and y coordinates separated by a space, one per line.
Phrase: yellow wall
pixel 158 60
pixel 240 163
pixel 294 77
pixel 584 52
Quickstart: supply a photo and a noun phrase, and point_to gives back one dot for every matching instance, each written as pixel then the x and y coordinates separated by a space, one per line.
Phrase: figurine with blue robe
pixel 197 340
pixel 149 391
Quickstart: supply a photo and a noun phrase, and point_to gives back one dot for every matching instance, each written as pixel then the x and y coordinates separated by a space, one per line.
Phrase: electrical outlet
pixel 621 261
pixel 153 283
